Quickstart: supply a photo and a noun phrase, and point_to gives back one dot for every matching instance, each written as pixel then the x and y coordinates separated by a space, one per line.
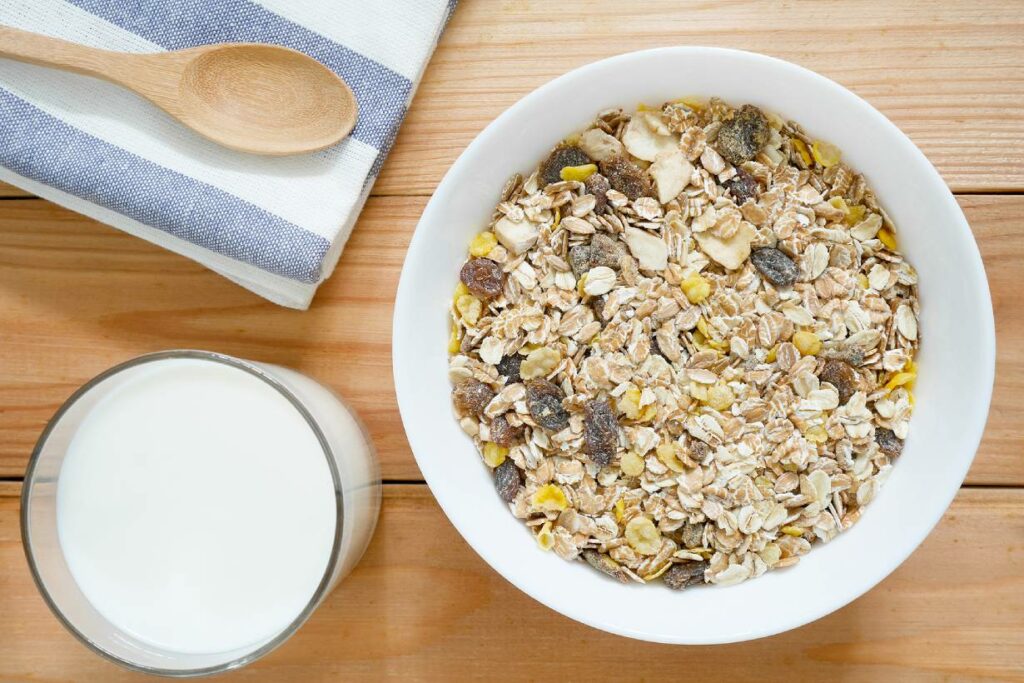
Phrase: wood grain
pixel 77 297
pixel 422 605
pixel 12 191
pixel 950 74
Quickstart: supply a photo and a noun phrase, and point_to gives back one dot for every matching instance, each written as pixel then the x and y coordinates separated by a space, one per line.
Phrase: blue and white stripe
pixel 276 225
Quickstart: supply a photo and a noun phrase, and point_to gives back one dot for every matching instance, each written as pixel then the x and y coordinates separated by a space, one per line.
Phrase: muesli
pixel 685 344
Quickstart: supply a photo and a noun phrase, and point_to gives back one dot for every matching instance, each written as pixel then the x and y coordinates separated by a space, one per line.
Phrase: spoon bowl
pixel 290 103
pixel 251 97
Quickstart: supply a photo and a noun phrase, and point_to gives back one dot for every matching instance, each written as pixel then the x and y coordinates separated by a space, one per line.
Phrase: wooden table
pixel 77 297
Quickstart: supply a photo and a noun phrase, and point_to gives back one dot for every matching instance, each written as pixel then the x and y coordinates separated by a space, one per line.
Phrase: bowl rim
pixel 404 344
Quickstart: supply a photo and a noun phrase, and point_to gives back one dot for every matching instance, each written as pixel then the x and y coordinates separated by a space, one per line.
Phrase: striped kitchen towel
pixel 274 225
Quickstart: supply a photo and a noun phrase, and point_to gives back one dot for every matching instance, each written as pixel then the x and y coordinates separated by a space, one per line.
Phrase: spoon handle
pixel 34 48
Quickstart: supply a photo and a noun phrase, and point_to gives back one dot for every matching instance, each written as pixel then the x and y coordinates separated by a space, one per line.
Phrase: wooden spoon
pixel 263 99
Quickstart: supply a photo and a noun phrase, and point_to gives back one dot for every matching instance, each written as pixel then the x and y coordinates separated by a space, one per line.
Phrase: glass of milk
pixel 185 512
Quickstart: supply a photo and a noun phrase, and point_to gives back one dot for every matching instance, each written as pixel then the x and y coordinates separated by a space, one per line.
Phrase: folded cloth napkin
pixel 274 225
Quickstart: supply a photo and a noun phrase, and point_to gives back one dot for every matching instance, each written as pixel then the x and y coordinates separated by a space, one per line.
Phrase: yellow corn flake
pixel 696 288
pixel 771 554
pixel 546 539
pixel 855 214
pixel 900 379
pixel 470 308
pixel 910 366
pixel 862 280
pixel 494 454
pixel 801 149
pixel 579 173
pixel 770 358
pixel 792 531
pixel 558 218
pixel 825 153
pixel 720 397
pixel 643 536
pixel 668 454
pixel 887 238
pixel 573 140
pixel 482 244
pixel 910 398
pixel 581 283
pixel 807 343
pixel 549 498
pixel 699 391
pixel 631 464
pixel 620 508
pixel 691 102
pixel 702 327
pixel 816 434
pixel 460 290
pixel 839 203
pixel 455 340
pixel 629 403
pixel 540 362
pixel 648 413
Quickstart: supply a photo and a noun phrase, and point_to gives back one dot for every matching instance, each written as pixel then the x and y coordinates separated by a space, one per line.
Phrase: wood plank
pixel 422 605
pixel 951 75
pixel 78 297
pixel 12 191
pixel 1000 237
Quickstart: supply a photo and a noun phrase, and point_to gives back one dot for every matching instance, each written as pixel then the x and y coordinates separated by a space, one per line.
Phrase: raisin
pixel 560 157
pixel 626 177
pixel 775 266
pixel 742 137
pixel 842 376
pixel 692 535
pixel 743 187
pixel 597 306
pixel 472 396
pixel 598 186
pixel 509 367
pixel 544 399
pixel 605 564
pixel 699 450
pixel 507 480
pixel 483 277
pixel 602 251
pixel 655 347
pixel 600 431
pixel 679 576
pixel 887 440
pixel 503 433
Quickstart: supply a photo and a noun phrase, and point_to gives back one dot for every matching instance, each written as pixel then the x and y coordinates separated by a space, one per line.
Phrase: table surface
pixel 77 297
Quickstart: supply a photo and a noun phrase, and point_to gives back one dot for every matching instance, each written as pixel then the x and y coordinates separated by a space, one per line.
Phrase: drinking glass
pixel 346 449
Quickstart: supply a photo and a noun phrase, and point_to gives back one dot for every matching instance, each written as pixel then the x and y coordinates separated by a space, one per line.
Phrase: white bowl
pixel 956 360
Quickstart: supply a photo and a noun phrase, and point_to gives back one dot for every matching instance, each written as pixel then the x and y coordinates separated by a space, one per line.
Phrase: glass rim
pixel 254 370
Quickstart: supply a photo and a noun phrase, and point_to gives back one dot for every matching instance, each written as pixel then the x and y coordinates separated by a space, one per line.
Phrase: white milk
pixel 195 507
